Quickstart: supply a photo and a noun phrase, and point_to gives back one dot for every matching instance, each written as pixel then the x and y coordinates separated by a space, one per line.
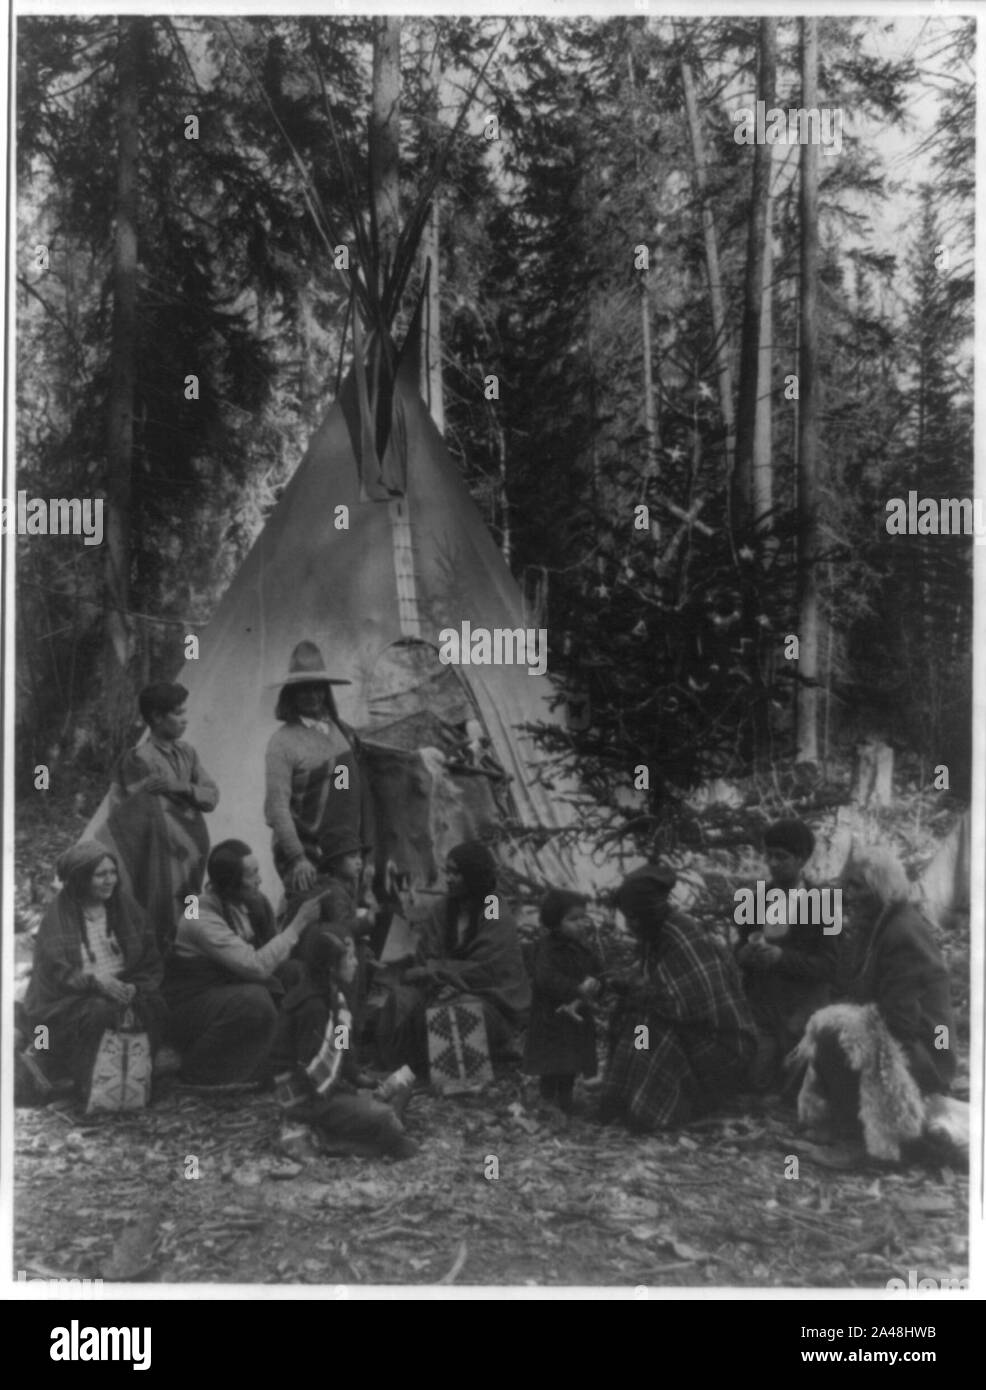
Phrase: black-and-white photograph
pixel 489 538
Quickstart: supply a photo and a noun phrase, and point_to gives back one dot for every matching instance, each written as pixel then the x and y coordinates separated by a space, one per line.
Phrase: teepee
pixel 373 583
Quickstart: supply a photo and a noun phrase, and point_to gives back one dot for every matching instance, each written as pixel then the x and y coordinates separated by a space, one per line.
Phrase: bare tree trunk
pixel 808 418
pixel 385 129
pixel 123 357
pixel 763 466
pixel 650 405
pixel 746 414
pixel 712 268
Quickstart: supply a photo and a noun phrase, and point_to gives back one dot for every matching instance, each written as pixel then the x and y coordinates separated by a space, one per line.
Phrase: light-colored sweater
pixel 211 937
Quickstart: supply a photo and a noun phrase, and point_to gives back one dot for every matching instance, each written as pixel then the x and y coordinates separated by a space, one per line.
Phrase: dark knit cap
pixel 477 866
pixel 556 903
pixel 639 890
pixel 792 835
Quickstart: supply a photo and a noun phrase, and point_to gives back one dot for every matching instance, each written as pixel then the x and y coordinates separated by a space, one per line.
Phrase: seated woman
pixel 787 967
pixel 221 981
pixel 873 1063
pixel 94 957
pixel 684 1036
pixel 460 952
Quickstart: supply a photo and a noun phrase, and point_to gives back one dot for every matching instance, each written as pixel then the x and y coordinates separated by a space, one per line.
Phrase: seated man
pixel 683 1037
pixel 155 824
pixel 221 981
pixel 788 967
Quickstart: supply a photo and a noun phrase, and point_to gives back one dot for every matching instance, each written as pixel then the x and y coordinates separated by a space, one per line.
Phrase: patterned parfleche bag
pixel 458 1050
pixel 121 1073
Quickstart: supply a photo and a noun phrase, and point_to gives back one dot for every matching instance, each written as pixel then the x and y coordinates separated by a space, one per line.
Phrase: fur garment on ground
pixel 891 1106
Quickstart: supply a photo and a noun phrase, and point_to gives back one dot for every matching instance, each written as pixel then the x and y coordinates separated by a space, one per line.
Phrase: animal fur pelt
pixel 891 1107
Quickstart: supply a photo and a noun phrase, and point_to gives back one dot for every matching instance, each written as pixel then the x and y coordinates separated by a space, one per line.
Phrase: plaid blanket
pixel 699 1037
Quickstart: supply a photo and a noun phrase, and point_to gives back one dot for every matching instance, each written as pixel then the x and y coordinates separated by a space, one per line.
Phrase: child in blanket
pixel 561 1037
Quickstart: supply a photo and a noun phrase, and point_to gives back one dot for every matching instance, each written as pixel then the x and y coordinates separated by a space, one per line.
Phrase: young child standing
pixel 561 1037
pixel 337 889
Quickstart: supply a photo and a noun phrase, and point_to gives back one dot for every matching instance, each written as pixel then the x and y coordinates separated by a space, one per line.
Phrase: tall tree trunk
pixel 123 358
pixel 746 414
pixel 385 134
pixel 763 466
pixel 647 351
pixel 807 722
pixel 431 325
pixel 712 270
pixel 650 404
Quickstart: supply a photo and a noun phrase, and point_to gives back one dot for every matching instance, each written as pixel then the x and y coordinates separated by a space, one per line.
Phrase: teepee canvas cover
pixel 404 568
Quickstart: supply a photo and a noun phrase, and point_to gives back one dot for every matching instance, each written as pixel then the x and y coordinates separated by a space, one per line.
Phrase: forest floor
pixel 586 1205
pixel 713 1205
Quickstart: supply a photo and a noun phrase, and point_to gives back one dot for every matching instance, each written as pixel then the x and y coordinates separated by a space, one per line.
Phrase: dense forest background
pixel 662 380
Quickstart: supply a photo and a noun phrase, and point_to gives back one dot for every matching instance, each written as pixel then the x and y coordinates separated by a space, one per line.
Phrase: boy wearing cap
pixel 788 968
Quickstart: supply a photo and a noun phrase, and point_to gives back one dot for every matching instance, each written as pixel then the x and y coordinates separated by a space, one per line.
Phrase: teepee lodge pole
pixel 385 125
pixel 385 192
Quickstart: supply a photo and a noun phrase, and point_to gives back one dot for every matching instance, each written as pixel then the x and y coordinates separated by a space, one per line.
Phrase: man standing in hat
pixel 683 1038
pixel 788 967
pixel 317 802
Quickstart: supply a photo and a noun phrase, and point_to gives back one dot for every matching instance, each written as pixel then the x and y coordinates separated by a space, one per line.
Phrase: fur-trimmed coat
pixel 898 967
pixel 891 1106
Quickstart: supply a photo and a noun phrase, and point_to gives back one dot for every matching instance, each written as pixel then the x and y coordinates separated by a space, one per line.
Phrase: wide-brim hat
pixel 307 667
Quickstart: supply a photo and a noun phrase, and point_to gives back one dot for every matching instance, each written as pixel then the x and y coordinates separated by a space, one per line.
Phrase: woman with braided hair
pixel 95 956
pixel 467 946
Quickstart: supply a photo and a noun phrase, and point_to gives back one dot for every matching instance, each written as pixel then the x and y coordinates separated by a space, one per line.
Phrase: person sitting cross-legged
pixel 467 948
